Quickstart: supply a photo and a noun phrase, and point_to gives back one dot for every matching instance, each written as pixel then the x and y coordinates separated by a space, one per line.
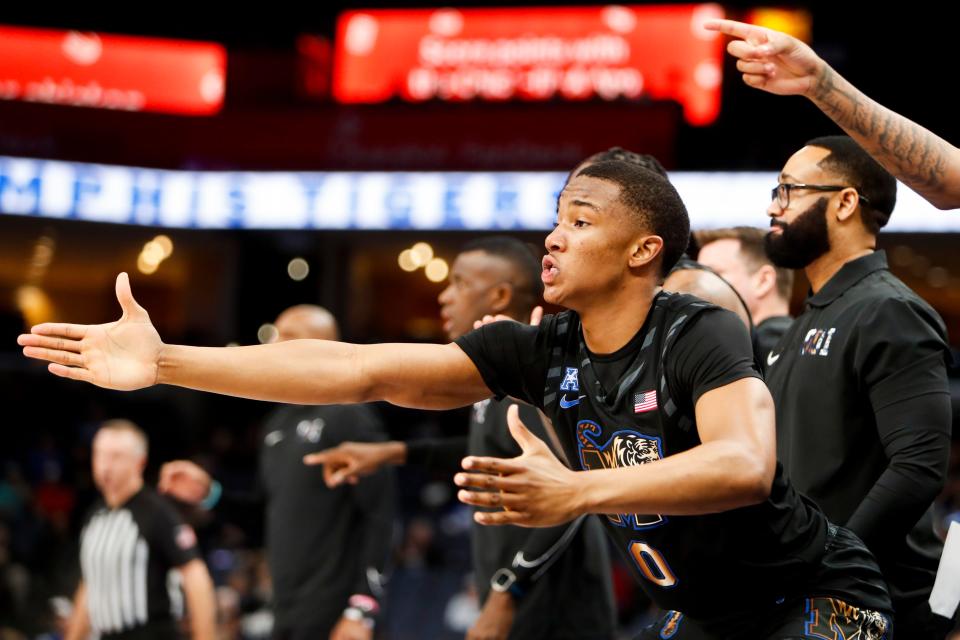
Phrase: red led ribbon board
pixel 534 54
pixel 111 72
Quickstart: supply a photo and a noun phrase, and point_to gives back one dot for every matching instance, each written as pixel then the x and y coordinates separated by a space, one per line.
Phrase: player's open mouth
pixel 550 270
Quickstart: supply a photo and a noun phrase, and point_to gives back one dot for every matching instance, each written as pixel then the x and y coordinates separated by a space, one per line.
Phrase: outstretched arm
pixel 781 64
pixel 129 354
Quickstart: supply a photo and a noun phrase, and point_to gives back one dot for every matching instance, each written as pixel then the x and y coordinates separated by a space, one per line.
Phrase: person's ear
pixel 501 296
pixel 846 206
pixel 644 251
pixel 764 280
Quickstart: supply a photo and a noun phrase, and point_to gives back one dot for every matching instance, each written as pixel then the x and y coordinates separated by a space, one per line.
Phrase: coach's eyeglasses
pixel 781 192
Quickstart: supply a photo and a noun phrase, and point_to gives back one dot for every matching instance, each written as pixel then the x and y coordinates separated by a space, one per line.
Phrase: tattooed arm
pixel 781 64
pixel 924 161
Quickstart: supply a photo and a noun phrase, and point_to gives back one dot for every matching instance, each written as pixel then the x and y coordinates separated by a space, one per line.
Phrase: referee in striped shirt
pixel 136 553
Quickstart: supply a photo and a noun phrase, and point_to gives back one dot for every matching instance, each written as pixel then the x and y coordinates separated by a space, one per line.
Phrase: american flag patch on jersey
pixel 643 402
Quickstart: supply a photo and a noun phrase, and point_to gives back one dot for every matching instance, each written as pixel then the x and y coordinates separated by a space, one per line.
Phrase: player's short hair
pixel 644 160
pixel 653 202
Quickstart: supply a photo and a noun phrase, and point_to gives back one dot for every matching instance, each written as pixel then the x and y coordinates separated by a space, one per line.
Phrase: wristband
pixel 213 496
pixel 362 608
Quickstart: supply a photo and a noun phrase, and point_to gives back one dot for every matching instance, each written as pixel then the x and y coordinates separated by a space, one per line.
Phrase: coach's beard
pixel 802 241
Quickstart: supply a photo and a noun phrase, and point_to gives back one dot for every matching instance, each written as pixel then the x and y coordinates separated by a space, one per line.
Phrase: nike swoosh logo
pixel 566 404
pixel 520 561
pixel 772 358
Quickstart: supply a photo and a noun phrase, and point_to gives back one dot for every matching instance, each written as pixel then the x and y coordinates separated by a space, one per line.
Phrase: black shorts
pixel 810 619
pixel 846 573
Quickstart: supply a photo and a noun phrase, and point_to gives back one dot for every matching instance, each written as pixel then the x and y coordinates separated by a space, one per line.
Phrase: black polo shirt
pixel 863 416
pixel 323 545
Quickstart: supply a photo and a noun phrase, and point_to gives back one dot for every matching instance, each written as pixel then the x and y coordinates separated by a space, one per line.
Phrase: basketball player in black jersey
pixel 654 396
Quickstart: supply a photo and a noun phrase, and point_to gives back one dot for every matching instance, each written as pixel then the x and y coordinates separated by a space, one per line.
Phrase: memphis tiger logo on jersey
pixel 624 448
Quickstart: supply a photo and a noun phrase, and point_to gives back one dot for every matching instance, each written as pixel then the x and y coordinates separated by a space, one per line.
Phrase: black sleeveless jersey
pixel 634 407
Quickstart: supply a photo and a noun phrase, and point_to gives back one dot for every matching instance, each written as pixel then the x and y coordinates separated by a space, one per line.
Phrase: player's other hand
pixel 532 490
